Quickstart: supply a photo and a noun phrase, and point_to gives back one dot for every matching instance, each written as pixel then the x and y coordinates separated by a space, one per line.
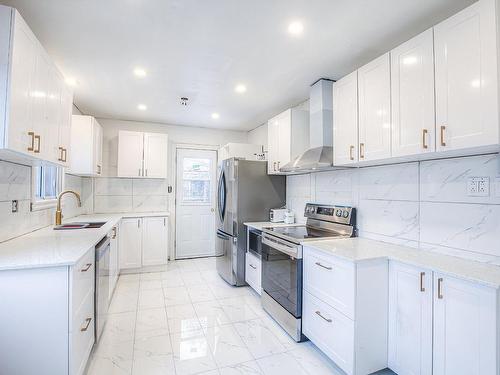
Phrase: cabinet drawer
pixel 331 280
pixel 329 330
pixel 82 335
pixel 82 276
pixel 253 272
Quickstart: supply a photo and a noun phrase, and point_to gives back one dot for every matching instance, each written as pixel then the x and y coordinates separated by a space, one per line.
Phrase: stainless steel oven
pixel 282 283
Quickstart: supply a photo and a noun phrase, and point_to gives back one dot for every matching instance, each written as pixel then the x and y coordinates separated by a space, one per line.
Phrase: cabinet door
pixel 98 139
pixel 44 140
pixel 465 328
pixel 53 111
pixel 65 115
pixel 273 145
pixel 22 76
pixel 412 94
pixel 410 320
pixel 114 267
pixel 130 255
pixel 154 241
pixel 284 138
pixel 155 155
pixel 345 120
pixel 375 109
pixel 130 154
pixel 466 78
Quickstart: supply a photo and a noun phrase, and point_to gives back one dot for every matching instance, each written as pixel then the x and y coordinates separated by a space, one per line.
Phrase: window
pixel 196 177
pixel 47 184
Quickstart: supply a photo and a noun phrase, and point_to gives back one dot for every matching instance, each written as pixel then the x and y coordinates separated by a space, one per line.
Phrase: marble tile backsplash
pixel 15 184
pixel 420 204
pixel 130 195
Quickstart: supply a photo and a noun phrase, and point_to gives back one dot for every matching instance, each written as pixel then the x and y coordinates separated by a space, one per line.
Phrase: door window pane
pixel 196 180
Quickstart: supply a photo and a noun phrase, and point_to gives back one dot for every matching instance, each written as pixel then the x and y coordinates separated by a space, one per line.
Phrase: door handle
pixel 322 317
pixel 424 138
pixel 39 140
pixel 422 284
pixel 32 143
pixel 361 150
pixel 443 143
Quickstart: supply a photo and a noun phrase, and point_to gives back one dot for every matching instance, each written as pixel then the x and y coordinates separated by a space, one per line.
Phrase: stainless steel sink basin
pixel 78 225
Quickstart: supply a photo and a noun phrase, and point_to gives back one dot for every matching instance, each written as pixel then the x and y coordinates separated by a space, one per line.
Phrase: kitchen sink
pixel 78 225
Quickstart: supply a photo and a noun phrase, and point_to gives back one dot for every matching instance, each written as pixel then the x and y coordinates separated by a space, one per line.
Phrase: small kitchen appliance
pixel 277 215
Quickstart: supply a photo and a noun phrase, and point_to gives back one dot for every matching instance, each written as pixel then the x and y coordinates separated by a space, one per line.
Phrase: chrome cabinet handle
pixel 322 317
pixel 424 138
pixel 39 140
pixel 361 150
pixel 87 267
pixel 251 265
pixel 440 288
pixel 422 284
pixel 325 267
pixel 351 152
pixel 443 143
pixel 88 320
pixel 32 143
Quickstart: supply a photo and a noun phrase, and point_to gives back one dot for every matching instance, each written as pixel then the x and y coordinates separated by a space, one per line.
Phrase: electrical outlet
pixel 15 206
pixel 478 186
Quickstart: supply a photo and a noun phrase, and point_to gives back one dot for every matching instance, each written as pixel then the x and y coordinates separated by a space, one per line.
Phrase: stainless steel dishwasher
pixel 102 279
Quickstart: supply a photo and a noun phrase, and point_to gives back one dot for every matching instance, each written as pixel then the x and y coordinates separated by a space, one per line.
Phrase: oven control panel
pixel 334 214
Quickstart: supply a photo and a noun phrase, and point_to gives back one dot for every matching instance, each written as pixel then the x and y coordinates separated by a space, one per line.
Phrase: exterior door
pixel 195 203
pixel 466 78
pixel 412 93
pixel 345 120
pixel 410 320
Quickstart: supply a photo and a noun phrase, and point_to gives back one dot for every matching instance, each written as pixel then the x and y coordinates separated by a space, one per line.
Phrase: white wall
pixel 422 205
pixel 258 136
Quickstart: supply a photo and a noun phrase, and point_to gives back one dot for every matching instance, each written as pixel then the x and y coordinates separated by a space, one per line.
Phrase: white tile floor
pixel 187 320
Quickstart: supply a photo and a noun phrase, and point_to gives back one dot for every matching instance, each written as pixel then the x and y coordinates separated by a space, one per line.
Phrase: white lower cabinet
pixel 410 320
pixel 466 330
pixel 253 272
pixel 143 242
pixel 345 310
pixel 114 266
pixel 47 319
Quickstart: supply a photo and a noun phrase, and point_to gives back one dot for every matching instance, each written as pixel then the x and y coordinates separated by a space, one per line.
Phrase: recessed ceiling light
pixel 215 116
pixel 240 88
pixel 142 107
pixel 140 72
pixel 296 28
pixel 70 81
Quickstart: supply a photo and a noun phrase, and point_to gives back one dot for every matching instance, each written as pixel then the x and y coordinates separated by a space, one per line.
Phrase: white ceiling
pixel 203 48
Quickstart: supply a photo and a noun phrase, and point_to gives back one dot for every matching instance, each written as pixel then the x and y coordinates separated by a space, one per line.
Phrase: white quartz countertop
pixel 47 247
pixel 361 249
pixel 267 224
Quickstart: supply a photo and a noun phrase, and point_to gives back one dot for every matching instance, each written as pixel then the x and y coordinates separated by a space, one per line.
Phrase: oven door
pixel 282 273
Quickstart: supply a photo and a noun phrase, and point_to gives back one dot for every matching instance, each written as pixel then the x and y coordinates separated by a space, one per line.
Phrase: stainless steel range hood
pixel 319 156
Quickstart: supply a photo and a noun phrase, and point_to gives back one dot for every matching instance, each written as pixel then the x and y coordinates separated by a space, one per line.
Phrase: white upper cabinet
pixel 34 99
pixel 410 319
pixel 86 146
pixel 288 137
pixel 345 120
pixel 412 93
pixel 465 328
pixel 155 155
pixel 142 155
pixel 467 78
pixel 374 81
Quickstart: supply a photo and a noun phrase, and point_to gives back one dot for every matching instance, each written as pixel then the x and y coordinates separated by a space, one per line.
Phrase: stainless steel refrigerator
pixel 245 192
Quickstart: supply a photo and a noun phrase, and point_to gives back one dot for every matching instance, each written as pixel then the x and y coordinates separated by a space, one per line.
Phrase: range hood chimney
pixel 319 156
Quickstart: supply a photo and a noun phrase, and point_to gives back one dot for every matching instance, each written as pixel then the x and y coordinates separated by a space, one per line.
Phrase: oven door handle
pixel 281 247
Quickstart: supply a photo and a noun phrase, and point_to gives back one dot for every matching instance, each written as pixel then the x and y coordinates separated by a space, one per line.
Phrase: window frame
pixel 43 203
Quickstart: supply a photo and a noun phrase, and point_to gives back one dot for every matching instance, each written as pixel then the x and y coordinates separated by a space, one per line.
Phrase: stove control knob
pixel 338 213
pixel 346 214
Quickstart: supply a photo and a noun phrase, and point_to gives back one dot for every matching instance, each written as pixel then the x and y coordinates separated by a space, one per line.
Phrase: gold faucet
pixel 58 208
